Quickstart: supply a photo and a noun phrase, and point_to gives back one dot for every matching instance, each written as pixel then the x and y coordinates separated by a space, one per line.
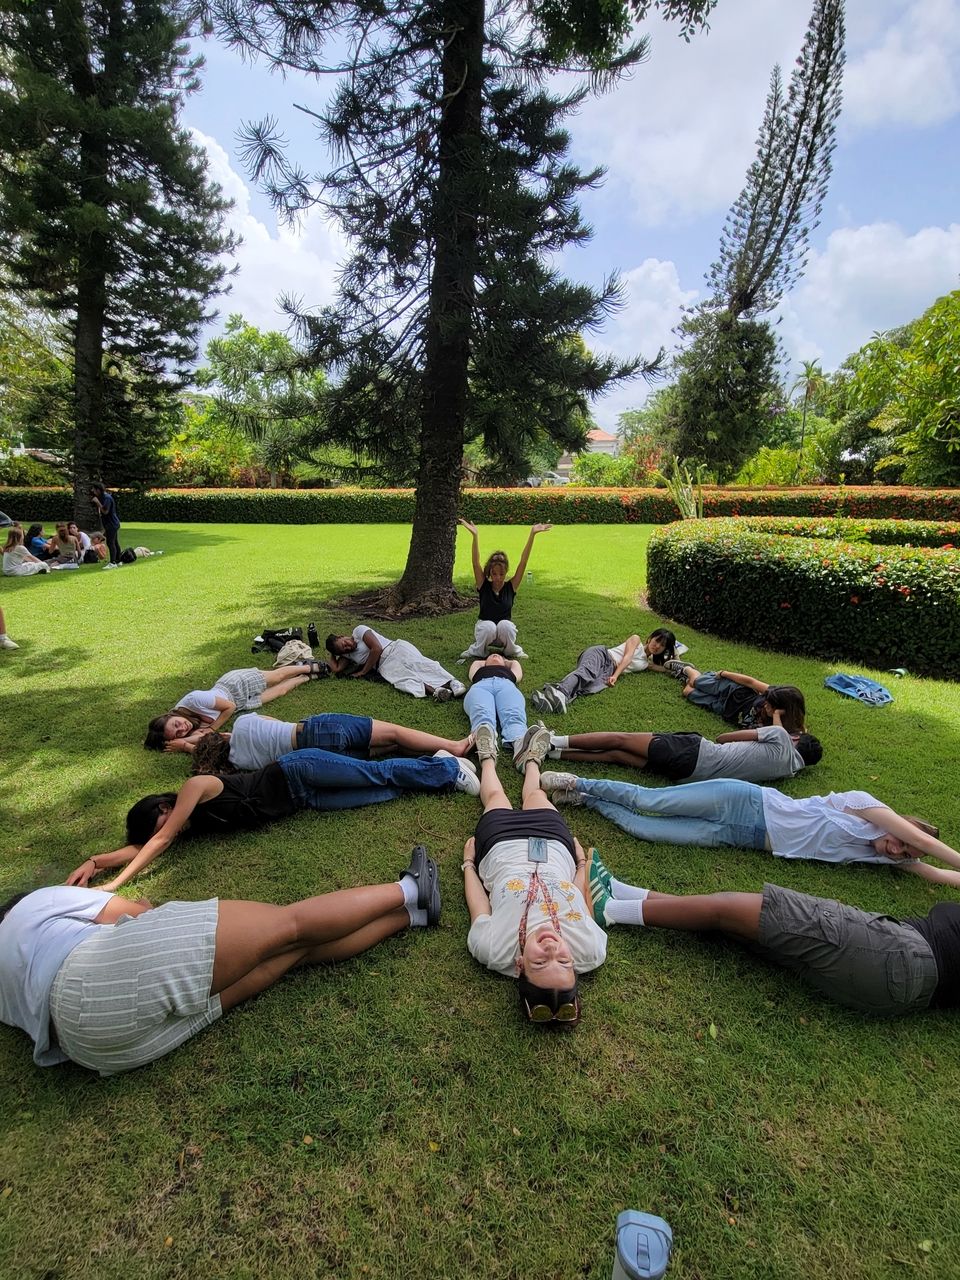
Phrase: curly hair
pixel 212 755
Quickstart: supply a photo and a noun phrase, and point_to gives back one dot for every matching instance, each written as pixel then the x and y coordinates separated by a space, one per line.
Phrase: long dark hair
pixel 35 531
pixel 669 642
pixel 142 817
pixel 790 702
pixel 155 741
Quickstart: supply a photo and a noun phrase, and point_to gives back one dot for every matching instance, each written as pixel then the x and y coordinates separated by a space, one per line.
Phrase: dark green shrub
pixel 891 597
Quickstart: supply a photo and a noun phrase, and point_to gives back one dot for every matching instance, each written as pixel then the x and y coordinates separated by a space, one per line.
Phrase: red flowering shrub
pixel 882 592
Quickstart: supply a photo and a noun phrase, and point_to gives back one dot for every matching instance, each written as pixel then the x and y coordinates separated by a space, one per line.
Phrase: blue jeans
pixel 323 780
pixel 493 699
pixel 718 812
pixel 333 731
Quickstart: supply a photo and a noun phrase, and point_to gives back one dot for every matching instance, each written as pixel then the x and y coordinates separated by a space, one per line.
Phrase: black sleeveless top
pixel 247 800
pixel 493 673
pixel 493 607
pixel 941 931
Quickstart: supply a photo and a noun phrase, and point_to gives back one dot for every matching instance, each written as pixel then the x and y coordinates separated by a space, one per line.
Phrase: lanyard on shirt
pixel 538 887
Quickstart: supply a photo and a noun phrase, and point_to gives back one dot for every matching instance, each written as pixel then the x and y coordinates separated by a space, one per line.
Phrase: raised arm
pixel 376 648
pixel 525 556
pixel 895 825
pixel 756 685
pixel 630 647
pixel 471 528
pixel 478 904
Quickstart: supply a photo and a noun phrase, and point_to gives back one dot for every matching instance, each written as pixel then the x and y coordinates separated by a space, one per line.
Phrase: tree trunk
pixel 427 582
pixel 88 349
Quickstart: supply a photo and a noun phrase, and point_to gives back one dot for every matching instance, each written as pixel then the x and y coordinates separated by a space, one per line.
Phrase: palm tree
pixel 812 382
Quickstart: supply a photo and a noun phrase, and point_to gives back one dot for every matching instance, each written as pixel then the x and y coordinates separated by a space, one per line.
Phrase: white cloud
pixel 301 261
pixel 867 279
pixel 909 76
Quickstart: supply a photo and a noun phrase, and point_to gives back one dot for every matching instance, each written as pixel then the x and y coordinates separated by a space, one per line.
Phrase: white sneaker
pixel 7 643
pixel 541 702
pixel 111 565
pixel 550 781
pixel 515 652
pixel 467 779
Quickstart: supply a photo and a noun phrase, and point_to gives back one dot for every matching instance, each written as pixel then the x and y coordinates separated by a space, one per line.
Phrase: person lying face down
pixel 113 984
pixel 525 887
pixel 845 954
pixel 599 668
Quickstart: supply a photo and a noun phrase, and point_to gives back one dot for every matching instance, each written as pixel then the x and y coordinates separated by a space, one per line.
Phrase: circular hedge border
pixel 882 592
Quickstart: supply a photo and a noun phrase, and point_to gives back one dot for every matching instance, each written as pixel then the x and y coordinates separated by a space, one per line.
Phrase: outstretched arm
pixel 203 787
pixel 891 822
pixel 91 867
pixel 522 566
pixel 478 904
pixel 939 875
pixel 756 685
pixel 477 566
pixel 630 647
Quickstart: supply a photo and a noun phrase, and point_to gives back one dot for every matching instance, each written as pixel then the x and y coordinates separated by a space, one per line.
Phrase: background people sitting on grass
pixel 600 668
pixel 256 741
pixel 494 697
pixel 873 963
pixel 18 562
pixel 36 542
pixel 497 593
pixel 739 699
pixel 213 804
pixel 113 984
pixel 398 662
pixel 752 755
pixel 203 710
pixel 845 826
pixel 64 548
pixel 526 890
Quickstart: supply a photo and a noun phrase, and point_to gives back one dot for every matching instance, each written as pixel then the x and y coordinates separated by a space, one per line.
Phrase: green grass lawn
pixel 394 1117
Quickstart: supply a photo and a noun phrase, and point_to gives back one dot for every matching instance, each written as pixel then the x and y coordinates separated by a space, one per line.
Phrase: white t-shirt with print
pixel 494 940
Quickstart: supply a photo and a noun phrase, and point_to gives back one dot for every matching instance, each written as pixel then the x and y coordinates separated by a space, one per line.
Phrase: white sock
pixel 411 891
pixel 627 892
pixel 630 912
pixel 559 741
pixel 418 916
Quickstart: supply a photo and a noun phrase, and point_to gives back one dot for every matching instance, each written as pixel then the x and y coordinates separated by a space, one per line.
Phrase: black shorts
pixel 520 824
pixel 674 755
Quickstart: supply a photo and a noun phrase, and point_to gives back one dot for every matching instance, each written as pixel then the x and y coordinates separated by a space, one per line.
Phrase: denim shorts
pixel 868 962
pixel 331 731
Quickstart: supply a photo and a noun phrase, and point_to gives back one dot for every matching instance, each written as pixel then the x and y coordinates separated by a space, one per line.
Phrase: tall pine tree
pixel 728 373
pixel 107 216
pixel 453 183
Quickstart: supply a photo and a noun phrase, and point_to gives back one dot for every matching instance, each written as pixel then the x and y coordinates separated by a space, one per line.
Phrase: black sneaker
pixel 313 640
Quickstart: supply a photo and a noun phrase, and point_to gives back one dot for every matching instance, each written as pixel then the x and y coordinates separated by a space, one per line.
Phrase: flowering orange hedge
pixel 885 593
pixel 567 505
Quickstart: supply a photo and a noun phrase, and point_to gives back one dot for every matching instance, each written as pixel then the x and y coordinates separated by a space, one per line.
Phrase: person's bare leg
pixel 270 971
pixel 630 749
pixel 734 913
pixel 397 738
pixel 250 933
pixel 278 688
pixel 492 794
pixel 533 797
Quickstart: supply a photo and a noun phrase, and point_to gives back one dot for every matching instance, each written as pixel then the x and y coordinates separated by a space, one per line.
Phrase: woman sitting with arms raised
pixel 497 594
pixel 526 890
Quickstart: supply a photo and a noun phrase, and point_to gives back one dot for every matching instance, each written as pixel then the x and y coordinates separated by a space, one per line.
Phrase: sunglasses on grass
pixel 569 1012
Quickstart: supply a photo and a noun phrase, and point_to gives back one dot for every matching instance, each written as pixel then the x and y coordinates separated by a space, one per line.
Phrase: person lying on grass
pixel 204 710
pixel 494 697
pixel 398 662
pixel 526 891
pixel 497 594
pixel 752 755
pixel 600 668
pixel 113 984
pixel 844 826
pixel 256 741
pixel 213 804
pixel 739 699
pixel 876 964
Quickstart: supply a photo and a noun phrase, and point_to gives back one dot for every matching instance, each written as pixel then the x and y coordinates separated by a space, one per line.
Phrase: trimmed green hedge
pixel 889 598
pixel 569 505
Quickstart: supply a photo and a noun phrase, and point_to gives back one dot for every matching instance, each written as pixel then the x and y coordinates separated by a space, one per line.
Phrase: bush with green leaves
pixel 885 593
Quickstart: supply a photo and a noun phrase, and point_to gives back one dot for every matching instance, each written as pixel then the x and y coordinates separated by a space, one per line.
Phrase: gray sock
pixel 418 916
pixel 411 891
pixel 630 912
pixel 626 892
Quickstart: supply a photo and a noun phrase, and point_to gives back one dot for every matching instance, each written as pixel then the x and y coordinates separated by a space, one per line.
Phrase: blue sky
pixel 676 140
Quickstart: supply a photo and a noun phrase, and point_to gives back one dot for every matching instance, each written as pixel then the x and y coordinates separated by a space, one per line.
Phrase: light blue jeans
pixel 497 699
pixel 718 812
